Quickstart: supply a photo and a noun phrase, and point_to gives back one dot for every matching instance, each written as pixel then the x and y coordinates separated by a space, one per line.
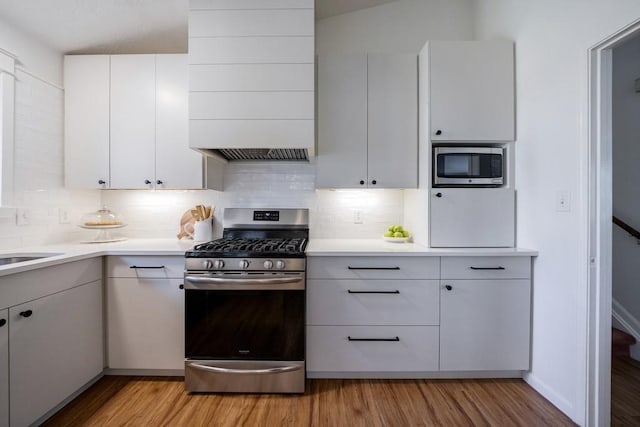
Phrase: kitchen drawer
pixel 374 267
pixel 251 22
pixel 329 349
pixel 517 267
pixel 355 302
pixel 251 50
pixel 250 4
pixel 148 267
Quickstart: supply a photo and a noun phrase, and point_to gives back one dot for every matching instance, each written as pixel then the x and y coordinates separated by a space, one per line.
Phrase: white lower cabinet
pixel 145 311
pixel 4 368
pixel 56 347
pixel 375 316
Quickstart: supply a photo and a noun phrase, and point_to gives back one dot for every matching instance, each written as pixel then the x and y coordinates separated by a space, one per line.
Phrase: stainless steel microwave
pixel 468 167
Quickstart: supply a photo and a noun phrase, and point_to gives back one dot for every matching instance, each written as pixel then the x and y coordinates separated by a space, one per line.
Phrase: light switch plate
pixel 563 201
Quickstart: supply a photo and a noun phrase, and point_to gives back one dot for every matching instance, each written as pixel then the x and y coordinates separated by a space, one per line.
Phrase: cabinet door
pixel 146 323
pixel 177 166
pixel 4 368
pixel 56 348
pixel 392 121
pixel 342 121
pixel 472 90
pixel 472 217
pixel 484 325
pixel 133 121
pixel 86 121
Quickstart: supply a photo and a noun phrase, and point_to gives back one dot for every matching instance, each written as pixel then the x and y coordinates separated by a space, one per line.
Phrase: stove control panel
pixel 244 264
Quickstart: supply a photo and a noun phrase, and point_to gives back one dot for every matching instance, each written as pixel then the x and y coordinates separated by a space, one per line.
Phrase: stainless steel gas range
pixel 245 304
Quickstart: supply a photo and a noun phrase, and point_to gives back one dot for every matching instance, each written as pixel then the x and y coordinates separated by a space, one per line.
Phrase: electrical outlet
pixel 563 201
pixel 22 216
pixel 63 216
pixel 358 216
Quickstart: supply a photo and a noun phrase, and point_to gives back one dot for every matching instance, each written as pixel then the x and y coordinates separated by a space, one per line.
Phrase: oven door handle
pixel 217 369
pixel 242 283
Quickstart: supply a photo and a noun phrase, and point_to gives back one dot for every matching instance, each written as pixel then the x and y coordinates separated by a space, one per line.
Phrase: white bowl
pixel 396 239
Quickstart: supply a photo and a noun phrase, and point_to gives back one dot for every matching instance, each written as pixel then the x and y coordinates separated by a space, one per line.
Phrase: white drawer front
pixel 251 105
pixel 373 302
pixel 226 133
pixel 251 50
pixel 250 4
pixel 486 267
pixel 329 349
pixel 373 267
pixel 145 266
pixel 251 77
pixel 251 22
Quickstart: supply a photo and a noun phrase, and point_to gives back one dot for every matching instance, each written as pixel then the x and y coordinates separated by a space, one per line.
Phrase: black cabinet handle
pixel 26 313
pixel 146 181
pixel 487 268
pixel 374 182
pixel 3 322
pixel 373 268
pixel 159 182
pixel 147 268
pixel 439 132
pixel 448 287
pixel 374 339
pixel 361 182
pixel 373 292
pixel 181 286
pixel 438 194
pixel 101 182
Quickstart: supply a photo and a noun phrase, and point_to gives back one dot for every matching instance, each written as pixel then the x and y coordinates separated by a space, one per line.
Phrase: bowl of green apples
pixel 396 234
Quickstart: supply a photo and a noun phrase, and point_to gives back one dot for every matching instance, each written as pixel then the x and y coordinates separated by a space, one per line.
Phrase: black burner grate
pixel 253 246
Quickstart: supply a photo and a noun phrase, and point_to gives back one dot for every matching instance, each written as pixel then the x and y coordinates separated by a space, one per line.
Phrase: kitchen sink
pixel 13 259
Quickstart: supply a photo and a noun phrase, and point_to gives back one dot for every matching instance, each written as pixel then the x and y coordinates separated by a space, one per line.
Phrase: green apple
pixel 405 233
pixel 388 234
pixel 398 234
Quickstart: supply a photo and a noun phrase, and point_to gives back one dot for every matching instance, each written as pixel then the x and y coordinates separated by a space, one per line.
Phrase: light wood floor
pixel 625 392
pixel 162 401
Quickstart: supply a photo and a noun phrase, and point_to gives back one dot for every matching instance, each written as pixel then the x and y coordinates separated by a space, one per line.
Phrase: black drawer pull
pixel 373 292
pixel 487 268
pixel 146 268
pixel 373 268
pixel 3 322
pixel 26 313
pixel 374 339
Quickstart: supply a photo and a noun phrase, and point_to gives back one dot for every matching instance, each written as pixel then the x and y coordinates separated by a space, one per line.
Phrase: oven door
pixel 245 332
pixel 468 166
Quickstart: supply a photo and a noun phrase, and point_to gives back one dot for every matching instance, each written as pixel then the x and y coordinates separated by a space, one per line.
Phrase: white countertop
pixel 372 247
pixel 77 251
pixel 172 247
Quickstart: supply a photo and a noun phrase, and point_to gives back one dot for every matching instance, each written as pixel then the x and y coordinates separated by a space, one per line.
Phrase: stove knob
pixel 218 264
pixel 280 264
pixel 244 264
pixel 268 264
pixel 207 264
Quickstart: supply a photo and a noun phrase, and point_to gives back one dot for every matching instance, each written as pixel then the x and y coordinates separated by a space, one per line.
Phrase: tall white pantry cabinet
pixel 126 123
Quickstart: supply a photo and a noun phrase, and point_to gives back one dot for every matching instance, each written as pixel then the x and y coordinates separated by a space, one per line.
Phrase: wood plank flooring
pixel 625 392
pixel 162 401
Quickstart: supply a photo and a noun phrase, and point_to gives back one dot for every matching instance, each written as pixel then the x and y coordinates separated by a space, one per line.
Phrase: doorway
pixel 598 399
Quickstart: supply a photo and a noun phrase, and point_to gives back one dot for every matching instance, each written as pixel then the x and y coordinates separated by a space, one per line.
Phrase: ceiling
pixel 123 26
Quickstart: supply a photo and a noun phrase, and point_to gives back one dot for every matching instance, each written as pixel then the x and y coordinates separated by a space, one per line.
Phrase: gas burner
pixel 241 247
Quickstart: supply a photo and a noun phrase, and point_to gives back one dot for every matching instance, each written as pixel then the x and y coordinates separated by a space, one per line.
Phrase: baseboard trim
pixel 548 393
pixel 415 375
pixel 146 372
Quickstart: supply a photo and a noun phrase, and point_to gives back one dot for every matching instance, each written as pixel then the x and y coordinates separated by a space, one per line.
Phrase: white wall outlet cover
pixel 22 216
pixel 358 216
pixel 563 201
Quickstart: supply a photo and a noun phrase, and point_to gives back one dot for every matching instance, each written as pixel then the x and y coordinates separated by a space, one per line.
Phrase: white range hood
pixel 251 79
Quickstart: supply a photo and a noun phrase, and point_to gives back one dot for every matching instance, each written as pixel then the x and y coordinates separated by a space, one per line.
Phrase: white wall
pixel 552 39
pixel 626 177
pixel 399 26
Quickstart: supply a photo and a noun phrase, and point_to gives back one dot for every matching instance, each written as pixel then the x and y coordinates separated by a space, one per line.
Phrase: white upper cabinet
pixel 177 166
pixel 133 110
pixel 127 123
pixel 470 90
pixel 86 104
pixel 367 121
pixel 251 66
